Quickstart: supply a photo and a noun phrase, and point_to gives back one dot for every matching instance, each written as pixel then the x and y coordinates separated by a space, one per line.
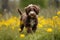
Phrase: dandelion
pixel 19 29
pixel 43 22
pixel 11 21
pixel 40 25
pixel 49 30
pixel 55 17
pixel 40 18
pixel 22 35
pixel 6 23
pixel 15 18
pixel 58 13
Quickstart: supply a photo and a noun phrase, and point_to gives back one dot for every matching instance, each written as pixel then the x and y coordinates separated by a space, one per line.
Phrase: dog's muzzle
pixel 32 14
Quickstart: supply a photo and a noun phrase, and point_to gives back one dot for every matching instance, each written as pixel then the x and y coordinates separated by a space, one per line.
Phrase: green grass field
pixel 48 27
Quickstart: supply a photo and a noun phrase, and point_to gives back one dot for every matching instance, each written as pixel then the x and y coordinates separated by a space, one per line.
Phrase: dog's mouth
pixel 32 16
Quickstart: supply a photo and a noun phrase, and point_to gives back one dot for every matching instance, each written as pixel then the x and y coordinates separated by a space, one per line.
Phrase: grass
pixel 9 34
pixel 47 29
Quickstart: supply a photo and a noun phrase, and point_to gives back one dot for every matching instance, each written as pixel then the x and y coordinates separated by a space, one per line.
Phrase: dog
pixel 29 18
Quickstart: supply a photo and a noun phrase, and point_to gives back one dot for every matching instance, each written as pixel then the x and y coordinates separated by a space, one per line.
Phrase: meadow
pixel 48 27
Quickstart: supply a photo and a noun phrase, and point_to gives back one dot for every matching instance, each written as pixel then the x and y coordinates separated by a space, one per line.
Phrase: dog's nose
pixel 32 12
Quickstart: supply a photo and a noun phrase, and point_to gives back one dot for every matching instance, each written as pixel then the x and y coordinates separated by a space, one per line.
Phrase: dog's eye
pixel 35 11
pixel 28 10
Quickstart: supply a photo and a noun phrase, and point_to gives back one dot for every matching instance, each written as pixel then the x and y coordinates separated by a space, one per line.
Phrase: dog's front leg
pixel 34 27
pixel 29 30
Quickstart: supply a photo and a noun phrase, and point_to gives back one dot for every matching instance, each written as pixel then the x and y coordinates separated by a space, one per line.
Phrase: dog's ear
pixel 20 12
pixel 27 10
pixel 36 9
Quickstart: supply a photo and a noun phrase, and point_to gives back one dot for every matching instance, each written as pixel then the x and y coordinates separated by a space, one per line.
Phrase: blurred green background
pixel 10 20
pixel 46 6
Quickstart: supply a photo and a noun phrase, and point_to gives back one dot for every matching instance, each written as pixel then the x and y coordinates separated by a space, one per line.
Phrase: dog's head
pixel 32 10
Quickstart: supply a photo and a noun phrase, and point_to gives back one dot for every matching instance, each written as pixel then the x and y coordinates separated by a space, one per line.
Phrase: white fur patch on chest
pixel 32 22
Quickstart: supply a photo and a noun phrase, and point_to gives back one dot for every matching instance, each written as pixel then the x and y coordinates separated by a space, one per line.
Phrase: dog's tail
pixel 19 12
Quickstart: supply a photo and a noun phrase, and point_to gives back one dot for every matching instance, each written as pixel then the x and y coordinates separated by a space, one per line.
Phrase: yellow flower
pixel 22 35
pixel 40 25
pixel 43 22
pixel 49 30
pixel 19 29
pixel 6 23
pixel 58 13
pixel 15 18
pixel 55 17
pixel 41 17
